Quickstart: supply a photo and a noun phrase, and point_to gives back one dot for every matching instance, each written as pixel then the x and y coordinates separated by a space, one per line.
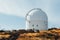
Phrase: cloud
pixel 20 7
pixel 10 7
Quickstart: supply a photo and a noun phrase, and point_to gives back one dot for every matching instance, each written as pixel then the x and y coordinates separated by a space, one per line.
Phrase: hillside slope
pixel 50 34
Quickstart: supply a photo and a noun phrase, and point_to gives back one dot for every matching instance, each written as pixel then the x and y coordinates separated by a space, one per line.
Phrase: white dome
pixel 36 14
pixel 36 19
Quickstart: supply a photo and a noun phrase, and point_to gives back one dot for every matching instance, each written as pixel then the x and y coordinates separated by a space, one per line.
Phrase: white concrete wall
pixel 42 25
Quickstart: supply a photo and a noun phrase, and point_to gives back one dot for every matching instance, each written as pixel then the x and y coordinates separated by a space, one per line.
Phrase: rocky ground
pixel 50 34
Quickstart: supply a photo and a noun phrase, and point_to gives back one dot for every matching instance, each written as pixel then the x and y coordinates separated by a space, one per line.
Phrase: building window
pixel 33 25
pixel 29 21
pixel 37 25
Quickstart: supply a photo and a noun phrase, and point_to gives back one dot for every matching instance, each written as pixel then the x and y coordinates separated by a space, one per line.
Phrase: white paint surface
pixel 36 19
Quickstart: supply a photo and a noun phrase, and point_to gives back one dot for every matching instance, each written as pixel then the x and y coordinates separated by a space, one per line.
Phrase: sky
pixel 12 12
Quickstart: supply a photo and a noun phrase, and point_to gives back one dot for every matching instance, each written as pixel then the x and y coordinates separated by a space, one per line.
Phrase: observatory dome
pixel 36 14
pixel 36 19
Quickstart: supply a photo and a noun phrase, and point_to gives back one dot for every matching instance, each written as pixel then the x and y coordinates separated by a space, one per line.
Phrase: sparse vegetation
pixel 50 34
